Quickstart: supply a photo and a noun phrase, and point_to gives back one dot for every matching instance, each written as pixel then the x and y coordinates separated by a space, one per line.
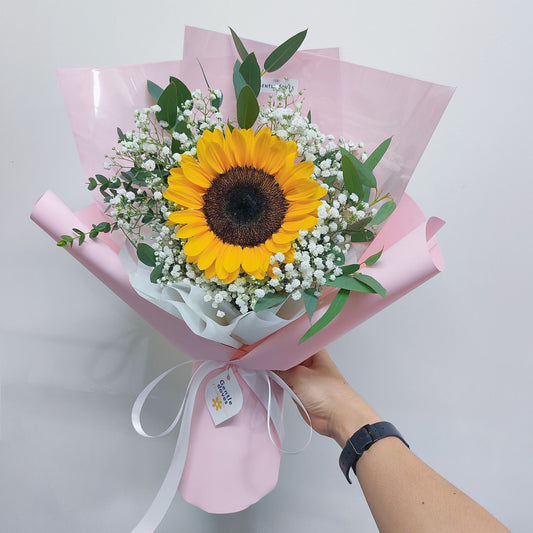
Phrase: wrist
pixel 352 415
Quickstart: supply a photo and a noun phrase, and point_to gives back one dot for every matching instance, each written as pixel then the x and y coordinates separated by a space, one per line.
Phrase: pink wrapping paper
pixel 375 105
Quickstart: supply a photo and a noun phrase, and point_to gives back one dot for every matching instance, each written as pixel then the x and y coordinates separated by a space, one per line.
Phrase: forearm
pixel 406 495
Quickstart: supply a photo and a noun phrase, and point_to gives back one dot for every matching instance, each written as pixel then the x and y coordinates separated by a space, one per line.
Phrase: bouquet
pixel 255 226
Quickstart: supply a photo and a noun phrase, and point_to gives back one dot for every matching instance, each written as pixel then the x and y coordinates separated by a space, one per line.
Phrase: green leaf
pixel 359 225
pixel 330 180
pixel 350 269
pixel 81 240
pixel 364 235
pixel 310 301
pixel 247 107
pixel 168 102
pixel 120 134
pixel 339 259
pixel 217 102
pixel 372 283
pixel 364 175
pixel 384 212
pixel 284 52
pixel 269 300
pixel 93 233
pixel 238 80
pixel 67 238
pixel 61 243
pixel 238 45
pixel 309 116
pixel 104 227
pixel 251 72
pixel 375 157
pixel 154 90
pixel 182 90
pixel 92 184
pixel 102 179
pixel 156 273
pixel 373 258
pixel 146 254
pixel 350 283
pixel 333 310
pixel 352 181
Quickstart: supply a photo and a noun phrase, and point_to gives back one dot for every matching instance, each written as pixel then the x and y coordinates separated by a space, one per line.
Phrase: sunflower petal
pixel 186 216
pixel 251 259
pixel 232 258
pixel 298 224
pixel 294 173
pixel 208 255
pixel 191 199
pixel 197 244
pixel 191 229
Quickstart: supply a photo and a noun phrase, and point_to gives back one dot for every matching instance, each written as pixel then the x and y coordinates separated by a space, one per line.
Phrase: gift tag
pixel 223 396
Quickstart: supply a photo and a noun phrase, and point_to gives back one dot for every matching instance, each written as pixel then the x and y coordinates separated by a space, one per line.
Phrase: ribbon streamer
pixel 259 381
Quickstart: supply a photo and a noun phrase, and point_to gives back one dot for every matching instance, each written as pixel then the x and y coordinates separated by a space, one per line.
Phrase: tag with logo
pixel 223 397
pixel 267 84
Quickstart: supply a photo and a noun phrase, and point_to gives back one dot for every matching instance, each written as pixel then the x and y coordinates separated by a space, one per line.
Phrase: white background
pixel 450 364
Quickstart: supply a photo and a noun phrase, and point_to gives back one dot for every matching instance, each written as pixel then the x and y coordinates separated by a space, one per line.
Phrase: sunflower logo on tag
pixel 217 403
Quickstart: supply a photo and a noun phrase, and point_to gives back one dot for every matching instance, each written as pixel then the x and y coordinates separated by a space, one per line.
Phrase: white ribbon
pixel 259 381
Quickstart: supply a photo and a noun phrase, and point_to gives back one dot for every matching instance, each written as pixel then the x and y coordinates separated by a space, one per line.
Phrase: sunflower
pixel 244 199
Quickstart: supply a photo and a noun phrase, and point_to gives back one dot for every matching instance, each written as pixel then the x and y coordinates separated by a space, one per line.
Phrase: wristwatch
pixel 361 440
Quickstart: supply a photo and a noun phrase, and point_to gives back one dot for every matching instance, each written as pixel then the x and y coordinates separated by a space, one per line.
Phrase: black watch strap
pixel 361 440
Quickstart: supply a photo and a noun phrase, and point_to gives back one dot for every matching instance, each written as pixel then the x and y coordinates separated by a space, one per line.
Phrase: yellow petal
pixel 298 224
pixel 219 266
pixel 291 174
pixel 231 276
pixel 190 199
pixel 191 229
pixel 302 208
pixel 305 193
pixel 208 255
pixel 284 237
pixel 210 272
pixel 251 259
pixel 232 258
pixel 195 173
pixel 185 216
pixel 197 244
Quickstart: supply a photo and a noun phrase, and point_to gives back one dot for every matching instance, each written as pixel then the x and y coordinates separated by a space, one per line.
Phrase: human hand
pixel 335 409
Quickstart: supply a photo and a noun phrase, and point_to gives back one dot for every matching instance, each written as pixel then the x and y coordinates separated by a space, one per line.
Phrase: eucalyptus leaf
pixel 269 300
pixel 238 80
pixel 310 301
pixel 251 72
pixel 284 52
pixel 247 107
pixel 120 134
pixel 183 91
pixel 154 90
pixel 333 310
pixel 372 283
pixel 364 174
pixel 384 212
pixel 373 258
pixel 339 259
pixel 217 102
pixel 146 254
pixel 156 273
pixel 350 283
pixel 359 225
pixel 309 116
pixel 350 269
pixel 365 235
pixel 168 102
pixel 375 157
pixel 352 181
pixel 238 45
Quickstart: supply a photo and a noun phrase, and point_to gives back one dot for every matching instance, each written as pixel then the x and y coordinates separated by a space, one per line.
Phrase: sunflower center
pixel 244 206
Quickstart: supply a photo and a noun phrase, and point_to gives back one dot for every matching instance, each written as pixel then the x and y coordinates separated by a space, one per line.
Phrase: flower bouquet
pixel 255 228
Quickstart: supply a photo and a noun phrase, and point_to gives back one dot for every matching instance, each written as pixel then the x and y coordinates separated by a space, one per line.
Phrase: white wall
pixel 450 364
